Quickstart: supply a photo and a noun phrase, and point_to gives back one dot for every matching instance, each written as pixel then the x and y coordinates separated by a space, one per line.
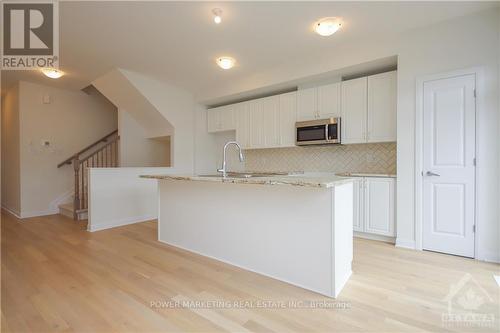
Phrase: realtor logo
pixel 30 38
pixel 468 305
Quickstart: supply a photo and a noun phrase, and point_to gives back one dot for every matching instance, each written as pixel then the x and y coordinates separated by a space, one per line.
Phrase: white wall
pixel 71 121
pixel 117 196
pixel 438 49
pixel 11 175
pixel 178 107
pixel 136 149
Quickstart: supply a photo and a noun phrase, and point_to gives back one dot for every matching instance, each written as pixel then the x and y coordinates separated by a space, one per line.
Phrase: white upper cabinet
pixel 287 119
pixel 329 100
pixel 379 206
pixel 256 119
pixel 369 109
pixel 319 102
pixel 221 119
pixel 354 111
pixel 382 96
pixel 307 104
pixel 271 113
pixel 242 124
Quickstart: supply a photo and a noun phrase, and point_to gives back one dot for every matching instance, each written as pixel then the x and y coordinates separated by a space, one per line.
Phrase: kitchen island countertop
pixel 320 180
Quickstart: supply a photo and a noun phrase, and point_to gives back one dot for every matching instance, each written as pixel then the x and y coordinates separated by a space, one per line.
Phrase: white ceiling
pixel 178 41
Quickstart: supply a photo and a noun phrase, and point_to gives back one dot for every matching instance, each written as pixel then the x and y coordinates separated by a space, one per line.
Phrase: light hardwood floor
pixel 58 277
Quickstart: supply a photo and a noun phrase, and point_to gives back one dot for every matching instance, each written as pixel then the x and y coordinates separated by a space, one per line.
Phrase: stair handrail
pixel 75 156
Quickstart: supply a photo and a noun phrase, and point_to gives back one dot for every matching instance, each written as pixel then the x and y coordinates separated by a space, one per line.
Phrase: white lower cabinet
pixel 374 205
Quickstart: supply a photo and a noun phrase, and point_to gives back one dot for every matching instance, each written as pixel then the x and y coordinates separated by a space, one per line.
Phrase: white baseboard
pixel 406 243
pixel 11 211
pixel 381 238
pixel 25 215
pixel 120 222
pixel 489 257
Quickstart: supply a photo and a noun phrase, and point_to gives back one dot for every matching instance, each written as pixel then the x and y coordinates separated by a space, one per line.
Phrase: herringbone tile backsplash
pixel 367 158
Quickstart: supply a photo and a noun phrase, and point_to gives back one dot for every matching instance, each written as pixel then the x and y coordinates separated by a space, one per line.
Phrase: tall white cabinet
pixel 374 205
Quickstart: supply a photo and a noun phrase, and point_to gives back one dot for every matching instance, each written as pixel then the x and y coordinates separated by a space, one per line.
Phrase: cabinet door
pixel 307 107
pixel 354 110
pixel 256 117
pixel 358 216
pixel 227 118
pixel 329 100
pixel 379 206
pixel 242 124
pixel 213 119
pixel 271 109
pixel 287 119
pixel 381 124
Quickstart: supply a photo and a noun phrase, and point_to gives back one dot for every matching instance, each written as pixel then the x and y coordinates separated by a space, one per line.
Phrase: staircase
pixel 101 154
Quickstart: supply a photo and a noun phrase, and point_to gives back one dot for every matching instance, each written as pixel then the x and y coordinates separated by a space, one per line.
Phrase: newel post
pixel 76 199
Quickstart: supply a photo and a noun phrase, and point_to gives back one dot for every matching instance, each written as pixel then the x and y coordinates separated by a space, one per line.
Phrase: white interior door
pixel 448 197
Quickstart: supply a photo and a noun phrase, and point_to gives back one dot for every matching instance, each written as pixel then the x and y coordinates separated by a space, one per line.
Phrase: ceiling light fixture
pixel 217 15
pixel 53 73
pixel 225 62
pixel 327 26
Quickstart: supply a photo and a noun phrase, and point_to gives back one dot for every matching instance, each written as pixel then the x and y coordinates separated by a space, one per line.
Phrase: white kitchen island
pixel 296 229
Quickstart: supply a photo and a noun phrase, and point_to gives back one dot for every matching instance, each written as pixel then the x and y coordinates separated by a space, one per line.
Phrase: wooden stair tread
pixel 69 206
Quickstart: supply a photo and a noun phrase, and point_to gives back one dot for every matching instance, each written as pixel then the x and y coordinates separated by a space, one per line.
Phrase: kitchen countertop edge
pixel 293 180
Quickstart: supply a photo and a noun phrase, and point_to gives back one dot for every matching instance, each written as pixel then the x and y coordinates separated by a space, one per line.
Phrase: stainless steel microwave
pixel 317 132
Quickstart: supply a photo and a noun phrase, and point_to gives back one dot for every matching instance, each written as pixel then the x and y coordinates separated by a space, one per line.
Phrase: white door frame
pixel 419 118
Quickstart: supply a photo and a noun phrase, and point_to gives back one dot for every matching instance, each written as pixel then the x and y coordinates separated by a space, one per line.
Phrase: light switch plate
pixel 46 99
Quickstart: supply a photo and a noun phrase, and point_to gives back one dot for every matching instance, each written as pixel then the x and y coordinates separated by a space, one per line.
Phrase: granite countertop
pixel 361 174
pixel 318 180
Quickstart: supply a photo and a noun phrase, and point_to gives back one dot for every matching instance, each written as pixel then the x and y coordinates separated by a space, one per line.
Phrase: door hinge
pixel 474 161
pixel 475 95
pixel 474 228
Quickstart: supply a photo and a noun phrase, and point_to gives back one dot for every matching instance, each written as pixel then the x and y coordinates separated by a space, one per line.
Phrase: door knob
pixel 429 173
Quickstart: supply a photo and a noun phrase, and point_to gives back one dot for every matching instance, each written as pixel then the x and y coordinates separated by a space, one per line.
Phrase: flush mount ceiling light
pixel 225 62
pixel 53 73
pixel 217 15
pixel 327 26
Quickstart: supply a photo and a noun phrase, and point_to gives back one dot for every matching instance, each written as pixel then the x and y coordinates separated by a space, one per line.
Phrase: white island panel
pixel 296 234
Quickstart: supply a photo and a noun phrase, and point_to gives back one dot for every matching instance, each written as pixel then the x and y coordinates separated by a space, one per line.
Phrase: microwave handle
pixel 326 133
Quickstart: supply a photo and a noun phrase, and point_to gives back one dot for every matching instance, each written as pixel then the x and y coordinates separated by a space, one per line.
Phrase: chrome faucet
pixel 242 158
